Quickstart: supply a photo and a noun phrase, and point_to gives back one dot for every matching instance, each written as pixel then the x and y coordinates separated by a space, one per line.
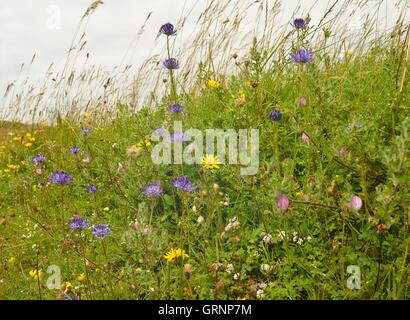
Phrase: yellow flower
pixel 106 209
pixel 28 144
pixel 13 167
pixel 81 277
pixel 175 254
pixel 35 274
pixel 68 286
pixel 12 260
pixel 34 188
pixel 147 143
pixel 213 84
pixel 17 138
pixel 242 94
pixel 210 162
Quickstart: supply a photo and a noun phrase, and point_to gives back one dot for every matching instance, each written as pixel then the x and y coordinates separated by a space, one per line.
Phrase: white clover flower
pixel 265 267
pixel 262 285
pixel 267 238
pixel 229 268
pixel 236 276
pixel 260 294
pixel 282 235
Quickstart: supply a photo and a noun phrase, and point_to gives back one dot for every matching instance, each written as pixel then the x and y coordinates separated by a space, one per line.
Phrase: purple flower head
pixel 179 136
pixel 153 190
pixel 86 130
pixel 61 177
pixel 74 150
pixel 183 183
pixel 78 223
pixel 168 29
pixel 302 56
pixel 342 151
pixel 171 64
pixel 176 108
pixel 101 230
pixel 275 115
pixel 300 23
pixel 38 159
pixel 160 132
pixel 92 189
pixel 283 202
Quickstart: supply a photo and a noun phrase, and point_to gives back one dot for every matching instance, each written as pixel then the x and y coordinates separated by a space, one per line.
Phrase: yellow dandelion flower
pixel 210 162
pixel 28 144
pixel 81 277
pixel 213 84
pixel 35 274
pixel 175 254
pixel 11 260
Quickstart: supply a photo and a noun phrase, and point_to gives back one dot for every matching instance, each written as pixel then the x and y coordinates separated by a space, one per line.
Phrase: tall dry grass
pixel 224 28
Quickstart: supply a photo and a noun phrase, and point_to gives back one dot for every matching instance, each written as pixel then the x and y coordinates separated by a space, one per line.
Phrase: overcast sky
pixel 46 27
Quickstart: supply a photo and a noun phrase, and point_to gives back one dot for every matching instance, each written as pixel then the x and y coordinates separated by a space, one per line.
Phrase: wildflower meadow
pixel 288 178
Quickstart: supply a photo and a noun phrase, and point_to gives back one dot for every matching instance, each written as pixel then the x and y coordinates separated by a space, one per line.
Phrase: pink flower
pixel 87 159
pixel 357 203
pixel 39 171
pixel 302 102
pixel 133 226
pixel 342 151
pixel 145 231
pixel 283 202
pixel 305 137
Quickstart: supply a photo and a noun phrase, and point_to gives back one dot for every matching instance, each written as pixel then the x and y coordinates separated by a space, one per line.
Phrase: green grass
pixel 350 105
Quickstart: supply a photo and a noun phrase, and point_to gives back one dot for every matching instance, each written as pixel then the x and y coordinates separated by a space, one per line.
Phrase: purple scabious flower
pixel 38 159
pixel 160 132
pixel 179 136
pixel 275 115
pixel 86 130
pixel 183 183
pixel 168 29
pixel 302 56
pixel 176 108
pixel 75 150
pixel 78 223
pixel 61 177
pixel 101 231
pixel 171 64
pixel 153 190
pixel 92 189
pixel 300 23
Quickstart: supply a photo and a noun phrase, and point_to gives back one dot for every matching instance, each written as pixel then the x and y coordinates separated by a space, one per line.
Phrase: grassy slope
pixel 130 265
